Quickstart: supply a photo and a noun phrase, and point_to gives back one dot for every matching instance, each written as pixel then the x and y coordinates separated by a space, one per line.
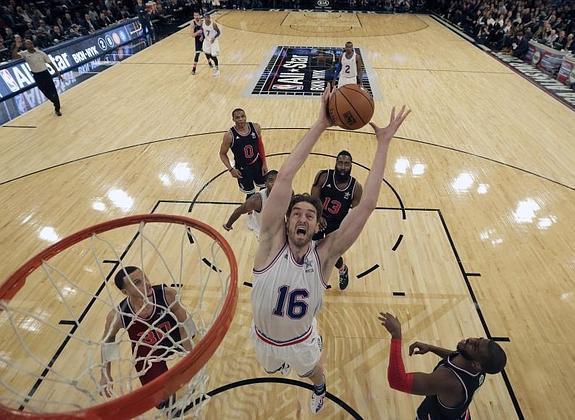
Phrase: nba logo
pixel 287 87
pixel 9 80
pixel 349 118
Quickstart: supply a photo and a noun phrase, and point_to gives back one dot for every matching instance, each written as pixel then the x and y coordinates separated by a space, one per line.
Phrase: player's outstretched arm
pixel 339 241
pixel 277 204
pixel 251 204
pixel 186 325
pixel 113 325
pixel 422 348
pixel 439 382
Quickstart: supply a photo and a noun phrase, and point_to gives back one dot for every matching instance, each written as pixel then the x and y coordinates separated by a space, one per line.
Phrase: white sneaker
pixel 216 73
pixel 316 403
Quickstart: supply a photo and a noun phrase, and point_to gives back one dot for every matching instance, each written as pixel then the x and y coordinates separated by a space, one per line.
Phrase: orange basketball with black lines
pixel 350 107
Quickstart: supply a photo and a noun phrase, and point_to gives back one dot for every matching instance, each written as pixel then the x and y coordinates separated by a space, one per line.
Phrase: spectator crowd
pixel 501 25
pixel 49 22
pixel 509 25
pixel 388 6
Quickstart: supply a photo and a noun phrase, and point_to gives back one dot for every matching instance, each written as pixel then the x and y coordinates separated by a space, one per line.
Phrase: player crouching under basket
pixel 157 325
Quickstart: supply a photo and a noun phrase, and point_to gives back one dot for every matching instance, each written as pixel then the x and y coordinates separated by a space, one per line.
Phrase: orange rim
pixel 151 394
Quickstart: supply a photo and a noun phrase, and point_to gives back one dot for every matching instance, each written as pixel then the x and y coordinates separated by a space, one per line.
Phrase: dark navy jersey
pixel 245 148
pixel 335 202
pixel 198 27
pixel 155 335
pixel 433 409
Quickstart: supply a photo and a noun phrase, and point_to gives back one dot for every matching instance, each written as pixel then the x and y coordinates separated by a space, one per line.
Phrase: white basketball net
pixel 51 356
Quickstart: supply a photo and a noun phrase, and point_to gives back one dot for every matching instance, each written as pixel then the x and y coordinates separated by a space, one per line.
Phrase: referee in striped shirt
pixel 37 60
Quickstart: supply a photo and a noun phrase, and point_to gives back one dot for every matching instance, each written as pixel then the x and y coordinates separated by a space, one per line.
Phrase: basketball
pixel 350 107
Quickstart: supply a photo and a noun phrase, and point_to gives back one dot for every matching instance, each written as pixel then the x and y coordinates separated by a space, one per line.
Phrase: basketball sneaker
pixel 316 403
pixel 216 72
pixel 343 278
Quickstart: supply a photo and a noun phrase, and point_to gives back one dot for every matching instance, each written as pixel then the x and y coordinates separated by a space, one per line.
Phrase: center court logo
pixel 302 71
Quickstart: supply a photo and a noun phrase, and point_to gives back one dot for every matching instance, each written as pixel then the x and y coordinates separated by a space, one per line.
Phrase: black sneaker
pixel 343 278
pixel 58 113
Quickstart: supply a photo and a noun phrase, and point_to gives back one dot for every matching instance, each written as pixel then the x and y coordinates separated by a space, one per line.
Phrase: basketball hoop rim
pixel 151 394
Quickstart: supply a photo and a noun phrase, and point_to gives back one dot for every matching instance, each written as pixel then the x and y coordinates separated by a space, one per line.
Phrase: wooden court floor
pixel 480 189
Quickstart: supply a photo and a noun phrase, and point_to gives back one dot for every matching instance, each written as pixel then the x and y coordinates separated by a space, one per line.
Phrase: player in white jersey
pixel 253 206
pixel 211 44
pixel 289 267
pixel 351 71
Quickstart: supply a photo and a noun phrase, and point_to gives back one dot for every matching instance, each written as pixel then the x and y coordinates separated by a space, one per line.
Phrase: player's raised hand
pixel 386 134
pixel 391 324
pixel 418 348
pixel 323 117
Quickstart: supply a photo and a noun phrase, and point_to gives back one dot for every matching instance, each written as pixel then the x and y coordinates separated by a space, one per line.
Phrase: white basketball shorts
pixel 212 49
pixel 346 81
pixel 303 357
